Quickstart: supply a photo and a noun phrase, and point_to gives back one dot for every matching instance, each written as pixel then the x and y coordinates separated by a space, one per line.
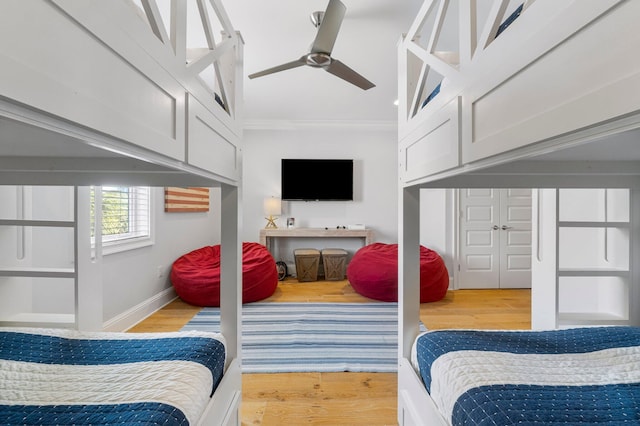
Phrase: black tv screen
pixel 317 180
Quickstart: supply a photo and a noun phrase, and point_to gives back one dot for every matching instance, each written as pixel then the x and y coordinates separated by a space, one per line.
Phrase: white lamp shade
pixel 272 206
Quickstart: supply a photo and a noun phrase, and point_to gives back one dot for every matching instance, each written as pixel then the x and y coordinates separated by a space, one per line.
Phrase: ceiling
pixel 280 31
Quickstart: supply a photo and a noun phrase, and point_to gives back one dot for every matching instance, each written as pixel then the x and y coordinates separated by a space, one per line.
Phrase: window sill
pixel 126 245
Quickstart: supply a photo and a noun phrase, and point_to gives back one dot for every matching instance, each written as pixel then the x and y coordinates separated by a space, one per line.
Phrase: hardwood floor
pixel 486 309
pixel 349 398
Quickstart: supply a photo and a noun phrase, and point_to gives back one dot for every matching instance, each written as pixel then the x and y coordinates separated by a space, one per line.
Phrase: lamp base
pixel 271 223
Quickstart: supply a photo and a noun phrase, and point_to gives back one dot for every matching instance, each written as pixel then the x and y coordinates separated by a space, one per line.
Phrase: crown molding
pixel 315 124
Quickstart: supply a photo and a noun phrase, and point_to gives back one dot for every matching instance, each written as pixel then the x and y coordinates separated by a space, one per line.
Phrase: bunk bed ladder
pixel 23 310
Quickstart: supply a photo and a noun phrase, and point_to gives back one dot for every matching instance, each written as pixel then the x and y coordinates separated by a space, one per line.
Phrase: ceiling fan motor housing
pixel 318 60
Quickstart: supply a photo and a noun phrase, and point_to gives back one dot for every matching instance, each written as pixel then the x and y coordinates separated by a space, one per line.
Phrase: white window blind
pixel 126 216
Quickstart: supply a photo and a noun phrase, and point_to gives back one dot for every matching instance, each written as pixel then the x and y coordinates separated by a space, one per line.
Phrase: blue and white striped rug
pixel 313 337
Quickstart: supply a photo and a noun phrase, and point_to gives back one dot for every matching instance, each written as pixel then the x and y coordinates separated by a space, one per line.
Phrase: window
pixel 126 217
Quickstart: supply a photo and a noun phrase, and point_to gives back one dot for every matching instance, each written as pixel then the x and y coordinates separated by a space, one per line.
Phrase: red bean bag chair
pixel 196 275
pixel 373 272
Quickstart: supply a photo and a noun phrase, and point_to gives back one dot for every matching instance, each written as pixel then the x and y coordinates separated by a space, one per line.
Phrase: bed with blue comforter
pixel 574 376
pixel 64 377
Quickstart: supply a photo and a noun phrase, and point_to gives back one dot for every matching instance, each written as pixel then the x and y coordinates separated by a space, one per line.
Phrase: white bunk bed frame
pixel 95 92
pixel 553 102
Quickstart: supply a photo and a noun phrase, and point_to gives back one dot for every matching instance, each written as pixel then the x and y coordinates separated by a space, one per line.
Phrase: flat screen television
pixel 316 179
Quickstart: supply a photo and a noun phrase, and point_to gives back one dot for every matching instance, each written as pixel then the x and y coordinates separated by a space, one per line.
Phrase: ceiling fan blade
pixel 328 30
pixel 293 64
pixel 339 69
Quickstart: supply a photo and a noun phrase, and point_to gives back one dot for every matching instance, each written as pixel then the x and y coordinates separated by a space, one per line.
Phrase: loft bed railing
pixel 446 38
pixel 478 79
pixel 205 59
pixel 148 86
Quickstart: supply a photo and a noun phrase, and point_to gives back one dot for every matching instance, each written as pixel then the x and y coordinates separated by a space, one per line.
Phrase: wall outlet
pixel 160 272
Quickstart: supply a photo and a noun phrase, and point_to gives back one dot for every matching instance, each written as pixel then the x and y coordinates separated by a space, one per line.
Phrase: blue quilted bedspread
pixel 143 413
pixel 28 361
pixel 576 376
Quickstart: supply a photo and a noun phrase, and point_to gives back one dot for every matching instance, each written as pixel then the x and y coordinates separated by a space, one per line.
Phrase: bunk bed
pixel 551 103
pixel 118 92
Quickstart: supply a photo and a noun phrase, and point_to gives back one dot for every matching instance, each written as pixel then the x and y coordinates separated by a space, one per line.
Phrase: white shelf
pixel 37 272
pixel 593 272
pixel 45 223
pixel 575 224
pixel 590 318
pixel 596 291
pixel 39 320
pixel 589 277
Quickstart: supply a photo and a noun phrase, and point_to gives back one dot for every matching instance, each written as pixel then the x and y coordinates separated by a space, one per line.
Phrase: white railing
pixel 159 80
pixel 445 38
pixel 199 35
pixel 478 79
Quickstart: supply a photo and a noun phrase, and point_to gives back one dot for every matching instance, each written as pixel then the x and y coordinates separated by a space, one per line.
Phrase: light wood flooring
pixel 349 398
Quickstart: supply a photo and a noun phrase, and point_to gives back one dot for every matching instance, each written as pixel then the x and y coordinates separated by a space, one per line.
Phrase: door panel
pixel 479 252
pixel 479 238
pixel 495 238
pixel 515 238
pixel 478 262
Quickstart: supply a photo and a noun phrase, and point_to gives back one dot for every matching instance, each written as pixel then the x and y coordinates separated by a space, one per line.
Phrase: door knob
pixel 505 227
pixel 495 227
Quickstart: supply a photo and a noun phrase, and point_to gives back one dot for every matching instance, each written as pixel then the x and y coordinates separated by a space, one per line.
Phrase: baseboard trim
pixel 129 318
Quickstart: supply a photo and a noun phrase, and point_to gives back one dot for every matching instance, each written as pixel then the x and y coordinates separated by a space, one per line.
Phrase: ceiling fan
pixel 328 24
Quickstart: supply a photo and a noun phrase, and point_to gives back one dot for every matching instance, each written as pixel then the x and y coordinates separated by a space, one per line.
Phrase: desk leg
pixel 269 244
pixel 266 241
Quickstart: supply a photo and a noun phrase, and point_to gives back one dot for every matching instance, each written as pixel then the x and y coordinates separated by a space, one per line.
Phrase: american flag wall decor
pixel 186 199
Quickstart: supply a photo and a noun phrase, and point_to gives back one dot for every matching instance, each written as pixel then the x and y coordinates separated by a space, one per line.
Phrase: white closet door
pixel 479 239
pixel 495 238
pixel 515 238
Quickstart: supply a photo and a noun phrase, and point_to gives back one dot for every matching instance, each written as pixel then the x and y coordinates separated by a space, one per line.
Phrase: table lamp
pixel 273 209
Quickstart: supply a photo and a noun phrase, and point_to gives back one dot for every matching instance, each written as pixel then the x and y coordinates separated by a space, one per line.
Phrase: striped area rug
pixel 313 337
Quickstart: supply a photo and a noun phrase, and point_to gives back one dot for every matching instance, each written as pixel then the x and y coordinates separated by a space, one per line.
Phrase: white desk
pixel 267 236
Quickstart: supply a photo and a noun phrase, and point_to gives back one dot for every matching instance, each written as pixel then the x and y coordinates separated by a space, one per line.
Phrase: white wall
pixel 132 277
pixel 374 151
pixel 437 224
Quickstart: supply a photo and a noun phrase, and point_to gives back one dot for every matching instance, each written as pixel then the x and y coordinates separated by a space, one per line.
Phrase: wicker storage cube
pixel 307 261
pixel 335 263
